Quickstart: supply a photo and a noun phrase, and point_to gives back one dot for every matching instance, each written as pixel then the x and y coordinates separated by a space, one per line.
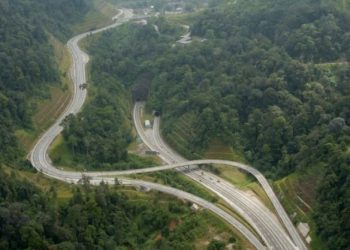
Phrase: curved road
pixel 262 220
pixel 40 160
pixel 39 157
pixel 176 161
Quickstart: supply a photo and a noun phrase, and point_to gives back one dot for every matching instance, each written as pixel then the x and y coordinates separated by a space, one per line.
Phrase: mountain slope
pixel 271 81
pixel 27 60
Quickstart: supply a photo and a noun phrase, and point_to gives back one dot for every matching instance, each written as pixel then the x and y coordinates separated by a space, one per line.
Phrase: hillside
pixel 263 81
pixel 27 61
pixel 97 218
pixel 270 82
pixel 37 212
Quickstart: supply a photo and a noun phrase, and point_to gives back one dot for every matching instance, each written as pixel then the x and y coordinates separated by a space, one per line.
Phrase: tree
pixel 216 245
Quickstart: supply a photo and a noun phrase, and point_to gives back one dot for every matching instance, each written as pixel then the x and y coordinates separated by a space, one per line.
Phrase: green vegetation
pixel 53 215
pixel 47 110
pixel 103 217
pixel 264 114
pixel 216 245
pixel 63 157
pixel 64 191
pixel 28 66
pixel 298 194
pixel 179 136
pixel 180 181
pixel 99 14
pixel 333 199
pixel 269 84
pixel 99 136
pixel 34 81
pixel 175 179
pixel 218 150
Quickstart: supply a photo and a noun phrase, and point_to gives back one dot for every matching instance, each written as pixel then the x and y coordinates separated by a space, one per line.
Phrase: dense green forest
pixel 271 81
pixel 26 60
pixel 100 135
pixel 97 218
pixel 94 218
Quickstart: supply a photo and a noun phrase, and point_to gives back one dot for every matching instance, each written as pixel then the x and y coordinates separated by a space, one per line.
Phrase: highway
pixel 38 156
pixel 175 161
pixel 190 197
pixel 253 211
pixel 261 219
pixel 41 161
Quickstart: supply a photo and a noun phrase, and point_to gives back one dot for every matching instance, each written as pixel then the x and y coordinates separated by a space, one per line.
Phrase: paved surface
pixel 42 163
pixel 39 157
pixel 197 200
pixel 186 38
pixel 262 220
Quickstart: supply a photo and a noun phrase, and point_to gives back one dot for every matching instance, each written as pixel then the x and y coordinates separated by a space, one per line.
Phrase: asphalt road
pixel 253 211
pixel 42 163
pixel 39 157
pixel 190 197
pixel 40 160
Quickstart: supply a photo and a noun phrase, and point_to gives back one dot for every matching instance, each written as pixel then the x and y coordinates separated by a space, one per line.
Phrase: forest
pixel 268 78
pixel 27 62
pixel 99 136
pixel 97 218
pixel 35 216
pixel 271 80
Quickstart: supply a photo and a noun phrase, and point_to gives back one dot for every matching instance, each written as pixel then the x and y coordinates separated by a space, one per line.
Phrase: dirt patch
pixel 307 189
pixel 51 109
pixel 159 237
pixel 140 149
pixel 172 225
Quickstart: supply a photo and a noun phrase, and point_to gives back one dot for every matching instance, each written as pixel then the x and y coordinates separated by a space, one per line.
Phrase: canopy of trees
pixel 26 59
pixel 100 135
pixel 94 218
pixel 271 80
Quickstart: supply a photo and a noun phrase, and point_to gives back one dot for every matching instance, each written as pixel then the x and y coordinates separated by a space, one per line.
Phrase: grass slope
pixel 48 110
pixel 180 135
pixel 297 193
pixel 97 17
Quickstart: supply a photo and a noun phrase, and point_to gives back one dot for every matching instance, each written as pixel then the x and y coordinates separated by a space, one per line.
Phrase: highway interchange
pixel 264 222
pixel 253 211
